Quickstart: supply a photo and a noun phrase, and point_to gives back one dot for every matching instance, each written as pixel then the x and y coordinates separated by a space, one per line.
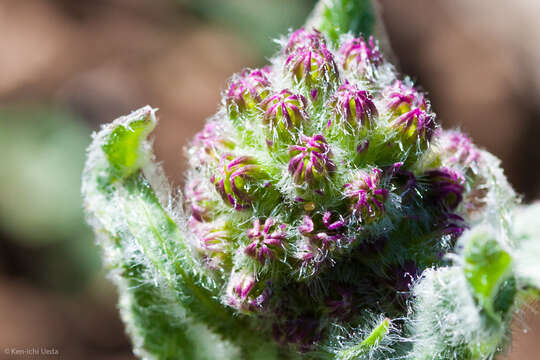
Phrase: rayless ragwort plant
pixel 326 215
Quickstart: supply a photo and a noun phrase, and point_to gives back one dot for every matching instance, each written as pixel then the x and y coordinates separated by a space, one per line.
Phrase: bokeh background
pixel 67 66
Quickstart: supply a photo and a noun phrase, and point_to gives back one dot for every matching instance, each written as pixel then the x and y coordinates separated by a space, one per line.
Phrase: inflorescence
pixel 325 214
pixel 319 157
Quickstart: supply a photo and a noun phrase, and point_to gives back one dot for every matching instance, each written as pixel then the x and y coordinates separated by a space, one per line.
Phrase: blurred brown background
pixel 67 66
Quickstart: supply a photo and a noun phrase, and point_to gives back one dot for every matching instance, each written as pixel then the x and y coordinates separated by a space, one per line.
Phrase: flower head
pixel 311 161
pixel 315 200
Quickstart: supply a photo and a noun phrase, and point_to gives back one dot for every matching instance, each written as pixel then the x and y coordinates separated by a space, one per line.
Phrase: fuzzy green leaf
pixel 144 247
pixel 122 146
pixel 487 266
pixel 337 17
pixel 368 344
pixel 447 322
pixel 526 229
pixel 152 321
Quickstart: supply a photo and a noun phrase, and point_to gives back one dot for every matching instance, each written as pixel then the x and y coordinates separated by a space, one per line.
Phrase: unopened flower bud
pixel 310 162
pixel 410 112
pixel 303 38
pixel 353 106
pixel 366 195
pixel 213 241
pixel 248 90
pixel 360 57
pixel 285 112
pixel 236 180
pixel 243 292
pixel 313 67
pixel 266 241
pixel 209 144
pixel 446 187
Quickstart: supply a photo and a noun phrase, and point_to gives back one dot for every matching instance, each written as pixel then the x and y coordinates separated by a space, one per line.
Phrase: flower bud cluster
pixel 309 162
